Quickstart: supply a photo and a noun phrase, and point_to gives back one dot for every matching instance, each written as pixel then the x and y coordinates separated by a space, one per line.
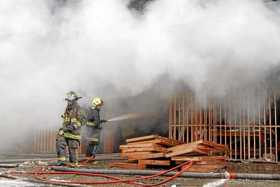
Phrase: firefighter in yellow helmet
pixel 93 127
pixel 70 133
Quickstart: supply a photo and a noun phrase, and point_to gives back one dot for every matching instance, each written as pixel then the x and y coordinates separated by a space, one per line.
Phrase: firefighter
pixel 69 135
pixel 93 127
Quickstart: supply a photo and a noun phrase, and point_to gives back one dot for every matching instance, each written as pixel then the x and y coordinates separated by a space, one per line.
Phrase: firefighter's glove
pixel 66 129
pixel 70 127
pixel 74 126
pixel 60 132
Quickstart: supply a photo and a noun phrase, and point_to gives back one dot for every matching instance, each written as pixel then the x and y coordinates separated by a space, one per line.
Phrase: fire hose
pixel 41 176
pixel 220 175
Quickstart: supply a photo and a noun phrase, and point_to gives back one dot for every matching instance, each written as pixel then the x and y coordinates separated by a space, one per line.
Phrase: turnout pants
pixel 73 146
pixel 92 141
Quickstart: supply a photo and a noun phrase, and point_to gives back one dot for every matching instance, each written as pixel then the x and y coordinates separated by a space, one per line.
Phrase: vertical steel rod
pixel 249 130
pixel 220 134
pixel 275 123
pixel 174 118
pixel 212 121
pixel 230 129
pixel 270 126
pixel 215 122
pixel 260 130
pixel 264 123
pixel 225 123
pixel 191 124
pixel 235 132
pixel 209 120
pixel 241 133
pixel 254 128
pixel 184 118
pixel 194 121
pixel 200 124
pixel 188 124
pixel 34 143
pixel 46 140
pixel 170 118
pixel 207 123
pixel 179 120
pixel 41 141
pixel 244 130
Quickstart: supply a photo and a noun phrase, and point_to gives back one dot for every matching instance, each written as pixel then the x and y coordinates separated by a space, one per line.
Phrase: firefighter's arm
pixel 75 124
pixel 90 124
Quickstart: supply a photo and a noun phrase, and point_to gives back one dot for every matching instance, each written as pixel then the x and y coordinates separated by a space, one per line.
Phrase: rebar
pixel 250 130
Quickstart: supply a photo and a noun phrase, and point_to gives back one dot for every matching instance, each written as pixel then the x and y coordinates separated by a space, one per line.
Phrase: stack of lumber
pixel 207 156
pixel 146 150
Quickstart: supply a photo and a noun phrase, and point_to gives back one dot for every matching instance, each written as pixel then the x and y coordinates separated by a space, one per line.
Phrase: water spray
pixel 130 116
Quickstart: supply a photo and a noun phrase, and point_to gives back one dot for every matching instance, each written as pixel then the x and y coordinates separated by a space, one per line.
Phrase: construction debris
pixel 200 147
pixel 154 150
pixel 207 156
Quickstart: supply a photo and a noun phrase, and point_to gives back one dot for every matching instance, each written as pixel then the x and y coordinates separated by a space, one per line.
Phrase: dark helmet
pixel 72 96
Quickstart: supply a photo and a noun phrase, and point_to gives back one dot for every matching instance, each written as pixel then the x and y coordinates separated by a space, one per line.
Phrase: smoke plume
pixel 110 49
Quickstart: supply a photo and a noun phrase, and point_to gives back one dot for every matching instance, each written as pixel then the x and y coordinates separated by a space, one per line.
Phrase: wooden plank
pixel 197 158
pixel 184 148
pixel 157 140
pixel 137 146
pixel 188 152
pixel 201 151
pixel 154 141
pixel 204 148
pixel 143 138
pixel 155 162
pixel 169 142
pixel 155 148
pixel 131 150
pixel 214 145
pixel 212 152
pixel 131 154
pixel 201 147
pixel 135 156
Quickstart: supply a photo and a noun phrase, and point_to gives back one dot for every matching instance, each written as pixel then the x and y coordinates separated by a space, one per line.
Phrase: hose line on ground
pixel 42 176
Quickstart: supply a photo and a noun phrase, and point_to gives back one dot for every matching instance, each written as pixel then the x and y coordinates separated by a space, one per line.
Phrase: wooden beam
pixel 153 147
pixel 197 158
pixel 143 138
pixel 135 156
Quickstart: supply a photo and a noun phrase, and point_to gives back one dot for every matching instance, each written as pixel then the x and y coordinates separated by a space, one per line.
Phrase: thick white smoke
pixel 48 47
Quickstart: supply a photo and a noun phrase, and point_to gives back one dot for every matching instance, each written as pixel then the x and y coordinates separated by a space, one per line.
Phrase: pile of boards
pixel 207 156
pixel 154 150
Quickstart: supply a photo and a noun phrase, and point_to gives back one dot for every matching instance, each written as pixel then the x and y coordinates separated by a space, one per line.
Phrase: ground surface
pixel 179 182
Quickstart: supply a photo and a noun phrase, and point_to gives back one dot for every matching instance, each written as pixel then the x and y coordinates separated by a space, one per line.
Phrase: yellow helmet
pixel 96 101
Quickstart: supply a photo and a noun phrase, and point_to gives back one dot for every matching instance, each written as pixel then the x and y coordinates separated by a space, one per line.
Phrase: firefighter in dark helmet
pixel 70 133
